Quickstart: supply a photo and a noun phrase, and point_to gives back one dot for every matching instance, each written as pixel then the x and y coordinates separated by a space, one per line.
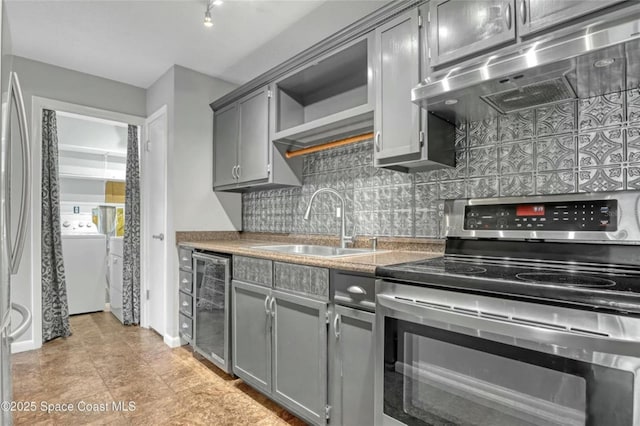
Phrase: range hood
pixel 601 58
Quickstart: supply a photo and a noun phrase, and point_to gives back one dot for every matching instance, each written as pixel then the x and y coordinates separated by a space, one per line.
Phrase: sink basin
pixel 310 250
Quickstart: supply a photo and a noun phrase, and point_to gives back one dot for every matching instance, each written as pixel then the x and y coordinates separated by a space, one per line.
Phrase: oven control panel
pixel 591 215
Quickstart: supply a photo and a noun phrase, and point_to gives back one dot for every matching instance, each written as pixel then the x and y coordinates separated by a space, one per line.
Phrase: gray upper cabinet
pixel 536 15
pixel 397 71
pixel 352 367
pixel 225 136
pixel 244 156
pixel 329 98
pixel 253 142
pixel 251 334
pixel 300 355
pixel 406 138
pixel 462 28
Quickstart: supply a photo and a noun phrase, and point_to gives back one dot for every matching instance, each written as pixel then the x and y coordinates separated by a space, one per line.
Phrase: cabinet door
pixel 462 28
pixel 300 355
pixel 397 72
pixel 225 145
pixel 253 146
pixel 351 353
pixel 251 325
pixel 535 15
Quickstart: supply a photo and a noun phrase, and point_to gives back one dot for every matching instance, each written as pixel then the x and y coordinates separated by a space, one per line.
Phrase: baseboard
pixel 27 345
pixel 107 307
pixel 172 342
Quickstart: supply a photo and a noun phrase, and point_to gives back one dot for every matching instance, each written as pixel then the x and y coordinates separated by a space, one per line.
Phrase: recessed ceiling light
pixel 217 2
pixel 604 62
pixel 451 102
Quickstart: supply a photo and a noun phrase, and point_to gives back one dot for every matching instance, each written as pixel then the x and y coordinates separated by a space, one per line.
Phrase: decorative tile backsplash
pixel 588 145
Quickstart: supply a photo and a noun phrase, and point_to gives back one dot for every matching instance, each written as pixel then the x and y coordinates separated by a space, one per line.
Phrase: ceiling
pixel 135 42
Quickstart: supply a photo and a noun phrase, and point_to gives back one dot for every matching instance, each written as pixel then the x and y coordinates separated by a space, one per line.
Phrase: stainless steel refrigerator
pixel 15 183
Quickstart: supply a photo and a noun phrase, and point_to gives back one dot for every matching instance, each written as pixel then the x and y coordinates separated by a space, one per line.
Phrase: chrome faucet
pixel 343 238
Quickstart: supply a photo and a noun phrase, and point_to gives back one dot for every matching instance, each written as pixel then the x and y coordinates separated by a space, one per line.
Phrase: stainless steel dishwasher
pixel 212 319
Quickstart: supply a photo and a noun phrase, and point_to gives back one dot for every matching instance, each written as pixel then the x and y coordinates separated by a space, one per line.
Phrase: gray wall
pixel 48 81
pixel 589 145
pixel 192 204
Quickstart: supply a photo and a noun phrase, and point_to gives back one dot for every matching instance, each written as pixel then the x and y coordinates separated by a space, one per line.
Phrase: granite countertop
pixel 365 263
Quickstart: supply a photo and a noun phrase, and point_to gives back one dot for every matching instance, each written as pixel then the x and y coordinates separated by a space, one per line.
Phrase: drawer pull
pixel 185 326
pixel 185 304
pixel 354 289
pixel 185 281
pixel 185 259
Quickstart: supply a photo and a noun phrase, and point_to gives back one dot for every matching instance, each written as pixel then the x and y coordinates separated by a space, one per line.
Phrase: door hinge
pixel 269 168
pixel 327 317
pixel 421 138
pixel 429 17
pixel 327 412
pixel 429 53
pixel 269 94
pixel 148 146
pixel 148 291
pixel 419 21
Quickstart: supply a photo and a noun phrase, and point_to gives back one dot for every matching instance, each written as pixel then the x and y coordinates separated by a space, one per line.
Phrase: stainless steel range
pixel 532 317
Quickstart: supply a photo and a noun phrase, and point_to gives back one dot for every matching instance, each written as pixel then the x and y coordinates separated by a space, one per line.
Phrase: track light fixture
pixel 208 21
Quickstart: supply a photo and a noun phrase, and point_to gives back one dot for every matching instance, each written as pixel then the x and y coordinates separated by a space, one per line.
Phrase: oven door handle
pixel 444 317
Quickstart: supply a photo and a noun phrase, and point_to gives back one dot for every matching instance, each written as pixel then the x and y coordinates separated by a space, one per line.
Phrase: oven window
pixel 438 377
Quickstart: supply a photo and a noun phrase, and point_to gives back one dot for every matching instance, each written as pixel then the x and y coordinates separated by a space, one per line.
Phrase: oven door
pixel 447 365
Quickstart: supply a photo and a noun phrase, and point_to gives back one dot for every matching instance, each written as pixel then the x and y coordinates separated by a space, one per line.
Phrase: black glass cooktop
pixel 604 287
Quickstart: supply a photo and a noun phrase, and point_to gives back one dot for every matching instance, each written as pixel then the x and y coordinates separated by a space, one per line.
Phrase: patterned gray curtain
pixel 131 258
pixel 55 309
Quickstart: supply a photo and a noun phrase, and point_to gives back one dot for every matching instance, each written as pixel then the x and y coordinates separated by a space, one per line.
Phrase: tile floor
pixel 103 361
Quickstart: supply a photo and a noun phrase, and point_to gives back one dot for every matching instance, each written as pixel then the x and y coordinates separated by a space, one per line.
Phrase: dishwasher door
pixel 212 280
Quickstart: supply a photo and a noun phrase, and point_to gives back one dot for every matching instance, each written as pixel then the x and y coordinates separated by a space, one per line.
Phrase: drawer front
pixel 186 304
pixel 307 280
pixel 186 282
pixel 252 270
pixel 184 257
pixel 186 327
pixel 353 290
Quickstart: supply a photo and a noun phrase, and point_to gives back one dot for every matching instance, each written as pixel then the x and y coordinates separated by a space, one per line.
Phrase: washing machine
pixel 84 250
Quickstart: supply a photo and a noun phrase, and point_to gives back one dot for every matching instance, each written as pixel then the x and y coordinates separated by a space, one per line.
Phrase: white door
pixel 154 151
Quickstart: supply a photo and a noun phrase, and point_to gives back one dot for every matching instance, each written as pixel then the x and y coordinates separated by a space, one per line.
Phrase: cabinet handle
pixel 233 172
pixel 185 325
pixel 185 259
pixel 239 171
pixel 266 306
pixel 271 307
pixel 185 304
pixel 507 16
pixel 523 11
pixel 185 281
pixel 378 145
pixel 354 289
pixel 336 326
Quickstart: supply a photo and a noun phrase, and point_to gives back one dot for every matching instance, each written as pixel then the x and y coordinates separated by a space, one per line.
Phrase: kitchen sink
pixel 311 250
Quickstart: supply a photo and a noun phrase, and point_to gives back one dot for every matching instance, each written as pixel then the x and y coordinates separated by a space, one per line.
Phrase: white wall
pixel 192 204
pixel 322 22
pixel 43 80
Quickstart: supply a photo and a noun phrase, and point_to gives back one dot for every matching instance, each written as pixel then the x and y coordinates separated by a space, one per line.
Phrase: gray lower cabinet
pixel 300 355
pixel 185 294
pixel 280 347
pixel 351 351
pixel 251 334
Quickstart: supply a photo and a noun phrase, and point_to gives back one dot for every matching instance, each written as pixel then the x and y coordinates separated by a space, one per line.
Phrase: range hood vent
pixel 598 59
pixel 538 93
